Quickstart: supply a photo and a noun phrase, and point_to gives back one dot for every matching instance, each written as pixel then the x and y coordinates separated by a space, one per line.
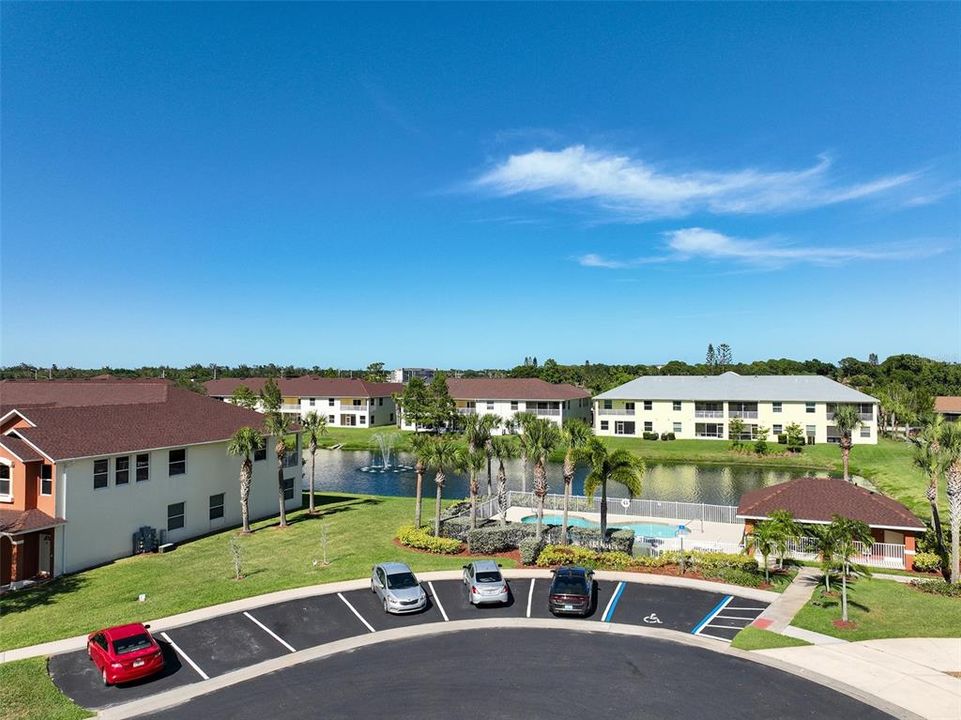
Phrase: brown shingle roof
pixel 20 449
pixel 947 404
pixel 184 418
pixel 819 499
pixel 20 522
pixel 307 386
pixel 512 389
pixel 78 393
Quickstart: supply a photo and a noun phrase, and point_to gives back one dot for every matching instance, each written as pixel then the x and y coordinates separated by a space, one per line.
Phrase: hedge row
pixel 927 562
pixel 421 539
pixel 495 539
pixel 938 587
pixel 655 436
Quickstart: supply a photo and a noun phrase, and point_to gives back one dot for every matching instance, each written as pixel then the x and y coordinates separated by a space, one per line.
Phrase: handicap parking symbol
pixel 653 619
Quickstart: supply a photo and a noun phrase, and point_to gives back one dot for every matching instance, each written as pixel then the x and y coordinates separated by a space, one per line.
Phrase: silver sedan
pixel 485 584
pixel 397 587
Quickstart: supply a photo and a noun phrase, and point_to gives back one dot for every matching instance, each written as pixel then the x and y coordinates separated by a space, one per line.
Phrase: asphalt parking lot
pixel 533 674
pixel 213 647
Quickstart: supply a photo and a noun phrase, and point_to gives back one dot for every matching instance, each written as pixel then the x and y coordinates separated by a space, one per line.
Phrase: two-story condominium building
pixel 702 406
pixel 346 402
pixel 505 397
pixel 84 465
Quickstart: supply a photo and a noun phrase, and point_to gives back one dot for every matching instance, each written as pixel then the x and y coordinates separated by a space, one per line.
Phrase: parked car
pixel 125 653
pixel 572 591
pixel 485 584
pixel 397 587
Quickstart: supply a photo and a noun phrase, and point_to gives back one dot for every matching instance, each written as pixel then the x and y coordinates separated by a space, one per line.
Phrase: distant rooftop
pixel 731 386
pixel 307 386
pixel 947 404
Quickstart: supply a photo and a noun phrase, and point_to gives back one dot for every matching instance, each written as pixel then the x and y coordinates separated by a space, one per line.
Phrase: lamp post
pixel 681 531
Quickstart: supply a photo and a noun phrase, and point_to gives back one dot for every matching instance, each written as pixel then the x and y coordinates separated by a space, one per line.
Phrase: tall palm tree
pixel 472 462
pixel 244 443
pixel 504 448
pixel 521 420
pixel 620 466
pixel 314 428
pixel 846 420
pixel 540 438
pixel 278 426
pixel 576 434
pixel 846 533
pixel 490 422
pixel 441 455
pixel 421 446
pixel 951 442
pixel 477 433
pixel 929 457
pixel 823 537
pixel 762 540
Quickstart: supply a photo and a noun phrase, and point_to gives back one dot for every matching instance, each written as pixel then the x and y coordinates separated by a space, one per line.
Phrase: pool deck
pixel 704 535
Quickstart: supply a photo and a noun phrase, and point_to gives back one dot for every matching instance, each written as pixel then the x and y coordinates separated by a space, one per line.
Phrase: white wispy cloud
pixel 698 243
pixel 637 190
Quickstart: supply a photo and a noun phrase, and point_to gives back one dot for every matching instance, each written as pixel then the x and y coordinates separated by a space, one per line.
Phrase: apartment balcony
pixel 615 411
pixel 466 411
pixel 549 412
pixel 709 413
pixel 354 408
pixel 290 408
pixel 863 417
pixel 752 414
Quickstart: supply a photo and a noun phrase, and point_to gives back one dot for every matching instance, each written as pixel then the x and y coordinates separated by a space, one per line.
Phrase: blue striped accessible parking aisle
pixel 706 620
pixel 612 603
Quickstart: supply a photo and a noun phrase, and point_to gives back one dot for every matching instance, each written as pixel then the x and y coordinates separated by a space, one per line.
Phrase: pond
pixel 339 471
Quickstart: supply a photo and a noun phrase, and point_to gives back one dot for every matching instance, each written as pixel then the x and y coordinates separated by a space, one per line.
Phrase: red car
pixel 125 653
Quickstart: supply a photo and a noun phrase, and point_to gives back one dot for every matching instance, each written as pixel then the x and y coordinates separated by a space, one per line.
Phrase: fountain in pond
pixel 385 442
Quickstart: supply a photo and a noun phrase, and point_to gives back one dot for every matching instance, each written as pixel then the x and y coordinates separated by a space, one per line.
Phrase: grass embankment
pixel 882 609
pixel 752 638
pixel 360 531
pixel 27 693
pixel 362 438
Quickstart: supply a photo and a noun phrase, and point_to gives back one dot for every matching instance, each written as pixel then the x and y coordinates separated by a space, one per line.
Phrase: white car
pixel 397 587
pixel 485 584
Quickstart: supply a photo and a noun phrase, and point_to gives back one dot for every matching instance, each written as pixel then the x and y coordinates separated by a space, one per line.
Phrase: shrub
pixel 927 562
pixel 567 555
pixel 711 561
pixel 494 538
pixel 938 587
pixel 421 539
pixel 652 561
pixel 615 560
pixel 782 439
pixel 737 577
pixel 455 509
pixel 650 436
pixel 620 540
pixel 455 527
pixel 530 549
pixel 667 436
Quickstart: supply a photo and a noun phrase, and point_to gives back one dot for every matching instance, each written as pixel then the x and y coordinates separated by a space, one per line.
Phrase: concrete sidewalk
pixel 910 672
pixel 781 612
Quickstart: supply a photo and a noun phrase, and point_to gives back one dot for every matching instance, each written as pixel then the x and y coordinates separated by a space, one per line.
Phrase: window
pixel 143 467
pixel 648 426
pixel 178 461
pixel 810 430
pixel 312 402
pixel 624 428
pixel 629 406
pixel 6 484
pixel 865 432
pixel 608 404
pixel 777 429
pixel 46 479
pixel 776 406
pixel 604 425
pixel 260 454
pixel 330 402
pixel 100 473
pixel 363 419
pixel 331 419
pixel 490 404
pixel 648 405
pixel 392 417
pixel 809 407
pixel 513 405
pixel 677 406
pixel 380 401
pixel 288 488
pixel 121 471
pixel 175 516
pixel 677 428
pixel 216 506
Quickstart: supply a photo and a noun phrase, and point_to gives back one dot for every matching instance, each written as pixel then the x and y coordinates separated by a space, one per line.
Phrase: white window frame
pixel 777 406
pixel 105 473
pixel 182 516
pixel 7 496
pixel 48 480
pixel 171 462
pixel 677 406
pixel 677 428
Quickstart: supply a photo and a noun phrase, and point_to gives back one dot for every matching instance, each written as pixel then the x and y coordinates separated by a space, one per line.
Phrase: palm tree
pixel 314 428
pixel 490 423
pixel 477 433
pixel 929 457
pixel 472 462
pixel 277 425
pixel 576 434
pixel 951 443
pixel 784 530
pixel 504 448
pixel 521 421
pixel 540 438
pixel 420 445
pixel 621 466
pixel 846 533
pixel 762 540
pixel 846 420
pixel 244 443
pixel 441 455
pixel 823 538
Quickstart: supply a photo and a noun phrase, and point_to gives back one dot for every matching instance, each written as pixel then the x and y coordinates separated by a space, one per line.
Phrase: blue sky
pixel 462 186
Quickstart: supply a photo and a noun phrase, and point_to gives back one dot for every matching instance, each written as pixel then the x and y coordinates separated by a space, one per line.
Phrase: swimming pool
pixel 641 529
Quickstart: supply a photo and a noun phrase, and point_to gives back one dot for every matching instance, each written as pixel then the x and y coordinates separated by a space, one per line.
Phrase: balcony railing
pixel 709 413
pixel 545 411
pixel 290 408
pixel 466 411
pixel 354 408
pixel 742 413
pixel 863 417
pixel 615 411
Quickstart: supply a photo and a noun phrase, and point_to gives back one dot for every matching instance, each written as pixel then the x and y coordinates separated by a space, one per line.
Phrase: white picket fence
pixel 882 555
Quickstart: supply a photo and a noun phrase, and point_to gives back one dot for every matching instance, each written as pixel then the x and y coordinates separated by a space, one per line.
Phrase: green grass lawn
pixel 27 693
pixel 362 438
pixel 752 638
pixel 882 609
pixel 197 574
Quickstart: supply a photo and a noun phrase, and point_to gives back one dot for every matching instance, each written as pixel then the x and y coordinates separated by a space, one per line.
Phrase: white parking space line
pixel 530 598
pixel 270 632
pixel 354 610
pixel 440 607
pixel 734 617
pixel 725 627
pixel 718 609
pixel 731 607
pixel 185 656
